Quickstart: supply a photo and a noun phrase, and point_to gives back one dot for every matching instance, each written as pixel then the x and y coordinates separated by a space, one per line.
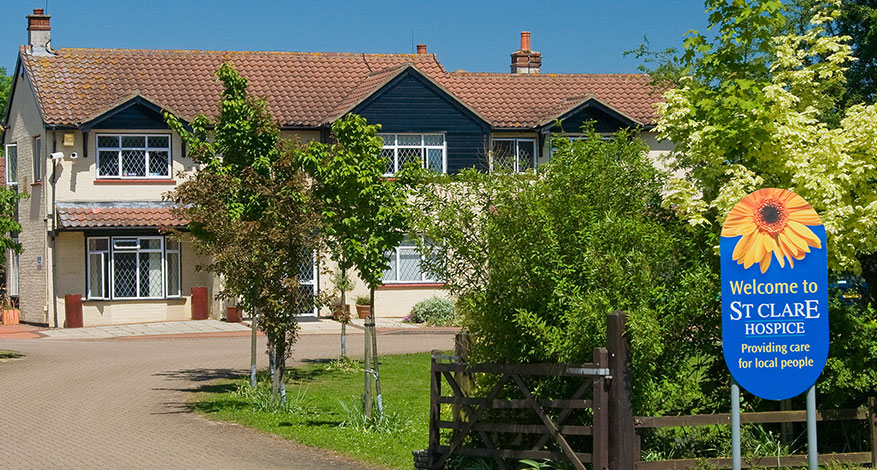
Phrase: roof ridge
pixel 552 75
pixel 214 51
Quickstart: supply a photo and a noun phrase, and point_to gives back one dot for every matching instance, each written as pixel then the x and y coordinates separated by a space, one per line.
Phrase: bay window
pixel 133 156
pixel 129 267
pixel 427 150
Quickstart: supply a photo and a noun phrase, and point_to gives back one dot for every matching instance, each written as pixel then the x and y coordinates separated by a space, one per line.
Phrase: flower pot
pixel 10 316
pixel 341 312
pixel 233 314
pixel 363 311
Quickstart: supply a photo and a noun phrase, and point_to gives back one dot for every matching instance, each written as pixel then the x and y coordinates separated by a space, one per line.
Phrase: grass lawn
pixel 324 404
pixel 7 354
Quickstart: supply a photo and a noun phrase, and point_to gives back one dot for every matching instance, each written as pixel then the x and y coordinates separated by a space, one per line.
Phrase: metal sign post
pixel 735 425
pixel 812 451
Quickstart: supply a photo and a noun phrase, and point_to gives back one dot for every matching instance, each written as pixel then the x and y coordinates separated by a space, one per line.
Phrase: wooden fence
pixel 593 425
pixel 868 414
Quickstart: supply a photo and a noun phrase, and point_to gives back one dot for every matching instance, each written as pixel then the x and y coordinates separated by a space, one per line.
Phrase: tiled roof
pixel 306 89
pixel 78 215
pixel 302 88
pixel 522 100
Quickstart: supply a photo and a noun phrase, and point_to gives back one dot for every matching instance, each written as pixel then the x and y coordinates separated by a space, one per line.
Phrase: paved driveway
pixel 121 404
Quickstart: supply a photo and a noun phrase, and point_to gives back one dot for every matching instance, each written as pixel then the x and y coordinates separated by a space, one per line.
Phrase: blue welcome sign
pixel 774 294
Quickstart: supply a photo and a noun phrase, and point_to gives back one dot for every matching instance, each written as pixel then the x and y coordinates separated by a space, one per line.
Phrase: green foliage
pixel 433 311
pixel 5 89
pixel 9 198
pixel 537 264
pixel 364 213
pixel 250 209
pixel 362 300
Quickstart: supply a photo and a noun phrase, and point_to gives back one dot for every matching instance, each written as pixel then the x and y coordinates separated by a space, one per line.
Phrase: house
pixel 85 138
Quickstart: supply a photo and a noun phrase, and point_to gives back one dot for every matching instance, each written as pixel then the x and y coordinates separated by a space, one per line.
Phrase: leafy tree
pixel 364 213
pixel 537 264
pixel 774 117
pixel 250 209
pixel 5 88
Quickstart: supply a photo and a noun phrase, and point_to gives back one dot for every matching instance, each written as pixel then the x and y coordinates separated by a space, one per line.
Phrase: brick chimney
pixel 39 33
pixel 421 48
pixel 524 60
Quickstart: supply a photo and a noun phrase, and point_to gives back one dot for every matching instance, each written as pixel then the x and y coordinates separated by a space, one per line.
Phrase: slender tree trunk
pixel 253 350
pixel 344 312
pixel 272 367
pixel 375 355
pixel 367 392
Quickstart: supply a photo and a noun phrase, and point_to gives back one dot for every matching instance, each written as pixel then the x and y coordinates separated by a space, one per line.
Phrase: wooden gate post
pixel 872 426
pixel 435 391
pixel 600 430
pixel 624 449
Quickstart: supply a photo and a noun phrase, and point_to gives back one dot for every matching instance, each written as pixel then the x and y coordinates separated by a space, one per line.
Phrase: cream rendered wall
pixel 72 275
pixel 390 301
pixel 25 124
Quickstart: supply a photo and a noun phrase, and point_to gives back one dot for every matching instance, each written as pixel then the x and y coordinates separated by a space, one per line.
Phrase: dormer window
pixel 133 156
pixel 513 155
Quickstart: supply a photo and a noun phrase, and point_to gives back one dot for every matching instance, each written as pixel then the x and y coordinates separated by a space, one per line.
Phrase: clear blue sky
pixel 573 36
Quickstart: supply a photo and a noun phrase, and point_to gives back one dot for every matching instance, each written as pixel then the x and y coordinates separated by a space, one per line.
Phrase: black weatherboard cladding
pixel 605 121
pixel 134 117
pixel 411 103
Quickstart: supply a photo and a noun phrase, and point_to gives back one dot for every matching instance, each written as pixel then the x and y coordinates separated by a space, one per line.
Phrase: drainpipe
pixel 54 227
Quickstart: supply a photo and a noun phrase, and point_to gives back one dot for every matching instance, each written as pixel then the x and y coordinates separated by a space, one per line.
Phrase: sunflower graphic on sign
pixel 772 222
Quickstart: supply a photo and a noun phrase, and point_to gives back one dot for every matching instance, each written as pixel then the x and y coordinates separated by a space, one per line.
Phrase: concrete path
pixel 122 404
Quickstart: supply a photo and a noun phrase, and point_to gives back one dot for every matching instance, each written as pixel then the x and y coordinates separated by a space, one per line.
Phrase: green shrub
pixel 433 311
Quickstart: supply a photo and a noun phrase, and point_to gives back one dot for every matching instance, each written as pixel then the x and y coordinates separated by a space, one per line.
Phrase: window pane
pixel 390 273
pixel 37 159
pixel 107 141
pixel 137 141
pixel 172 244
pixel 503 155
pixel 150 244
pixel 526 150
pixel 150 274
pixel 98 244
pixel 108 163
pixel 409 140
pixel 435 159
pixel 434 139
pixel 173 273
pixel 12 163
pixel 389 139
pixel 159 141
pixel 306 271
pixel 389 154
pixel 124 274
pixel 133 163
pixel 409 265
pixel 158 163
pixel 96 275
pixel 410 155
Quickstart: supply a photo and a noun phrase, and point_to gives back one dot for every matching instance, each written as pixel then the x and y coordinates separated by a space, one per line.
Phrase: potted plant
pixel 363 306
pixel 10 313
pixel 233 313
pixel 340 308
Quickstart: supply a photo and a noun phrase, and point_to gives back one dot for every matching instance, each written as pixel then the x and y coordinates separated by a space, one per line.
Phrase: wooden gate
pixel 576 426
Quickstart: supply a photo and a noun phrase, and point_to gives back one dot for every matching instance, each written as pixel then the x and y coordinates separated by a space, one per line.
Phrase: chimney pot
pixel 421 48
pixel 525 40
pixel 526 60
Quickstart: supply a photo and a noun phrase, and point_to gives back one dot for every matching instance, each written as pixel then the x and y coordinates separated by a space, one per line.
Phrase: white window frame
pixel 121 149
pixel 313 284
pixel 396 257
pixel 11 170
pixel 165 274
pixel 108 277
pixel 38 159
pixel 517 141
pixel 423 147
pixel 12 277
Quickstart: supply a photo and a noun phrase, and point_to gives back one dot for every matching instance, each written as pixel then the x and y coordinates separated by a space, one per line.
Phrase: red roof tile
pixel 78 215
pixel 522 100
pixel 306 89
